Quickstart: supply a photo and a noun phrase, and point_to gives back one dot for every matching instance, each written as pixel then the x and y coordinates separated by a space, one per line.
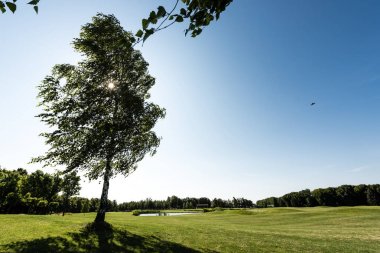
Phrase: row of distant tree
pixel 344 195
pixel 175 202
pixel 43 193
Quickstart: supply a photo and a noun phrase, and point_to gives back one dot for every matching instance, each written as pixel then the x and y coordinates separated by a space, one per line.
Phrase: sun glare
pixel 111 85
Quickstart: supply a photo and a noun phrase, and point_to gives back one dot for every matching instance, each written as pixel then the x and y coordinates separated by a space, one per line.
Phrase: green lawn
pixel 343 229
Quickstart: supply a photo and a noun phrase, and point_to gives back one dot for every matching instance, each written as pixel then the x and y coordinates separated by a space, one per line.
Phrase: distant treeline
pixel 42 193
pixel 344 195
pixel 175 202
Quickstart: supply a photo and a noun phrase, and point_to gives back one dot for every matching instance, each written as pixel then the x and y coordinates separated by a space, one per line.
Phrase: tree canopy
pixel 35 193
pixel 99 109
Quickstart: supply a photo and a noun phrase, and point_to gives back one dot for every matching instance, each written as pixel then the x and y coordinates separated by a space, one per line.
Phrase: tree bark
pixel 101 215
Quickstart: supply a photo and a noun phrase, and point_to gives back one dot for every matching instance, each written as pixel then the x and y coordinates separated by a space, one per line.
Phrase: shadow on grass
pixel 98 238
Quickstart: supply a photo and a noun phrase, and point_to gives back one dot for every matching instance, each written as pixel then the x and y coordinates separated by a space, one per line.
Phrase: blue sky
pixel 239 121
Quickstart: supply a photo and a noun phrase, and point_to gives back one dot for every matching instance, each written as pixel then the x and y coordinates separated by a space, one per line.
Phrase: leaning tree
pixel 98 111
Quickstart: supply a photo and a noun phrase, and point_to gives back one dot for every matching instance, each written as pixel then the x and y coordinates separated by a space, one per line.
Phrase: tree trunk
pixel 101 215
pixel 65 204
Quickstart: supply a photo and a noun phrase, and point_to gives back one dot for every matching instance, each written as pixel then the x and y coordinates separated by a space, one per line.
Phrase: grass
pixel 342 229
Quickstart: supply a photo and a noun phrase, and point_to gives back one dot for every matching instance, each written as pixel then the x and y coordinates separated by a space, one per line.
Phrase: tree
pixel 10 195
pixel 42 185
pixel 345 195
pixel 325 197
pixel 99 109
pixel 373 195
pixel 360 194
pixel 70 187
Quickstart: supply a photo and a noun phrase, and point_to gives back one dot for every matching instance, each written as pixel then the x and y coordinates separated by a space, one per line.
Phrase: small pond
pixel 165 214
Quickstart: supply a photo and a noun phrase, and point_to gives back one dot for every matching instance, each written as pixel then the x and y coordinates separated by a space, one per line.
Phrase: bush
pixel 42 207
pixel 53 207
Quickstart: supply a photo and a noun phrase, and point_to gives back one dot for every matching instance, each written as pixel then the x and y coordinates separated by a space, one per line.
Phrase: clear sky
pixel 239 121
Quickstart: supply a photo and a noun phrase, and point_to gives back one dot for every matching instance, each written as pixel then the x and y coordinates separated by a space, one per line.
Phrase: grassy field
pixel 343 229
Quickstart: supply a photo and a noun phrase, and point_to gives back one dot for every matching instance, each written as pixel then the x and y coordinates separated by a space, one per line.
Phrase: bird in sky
pixel 313 103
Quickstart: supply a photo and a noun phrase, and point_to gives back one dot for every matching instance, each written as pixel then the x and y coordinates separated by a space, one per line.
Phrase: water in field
pixel 164 214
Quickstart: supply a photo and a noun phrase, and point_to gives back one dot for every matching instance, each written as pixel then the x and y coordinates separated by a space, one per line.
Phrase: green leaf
pixel 179 19
pixel 11 6
pixel 161 12
pixel 147 34
pixel 145 23
pixel 139 33
pixel 196 32
pixel 36 9
pixel 33 2
pixel 2 9
pixel 183 12
pixel 152 17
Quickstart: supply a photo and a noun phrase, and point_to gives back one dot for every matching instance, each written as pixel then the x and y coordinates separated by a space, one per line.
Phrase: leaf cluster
pixel 12 6
pixel 199 13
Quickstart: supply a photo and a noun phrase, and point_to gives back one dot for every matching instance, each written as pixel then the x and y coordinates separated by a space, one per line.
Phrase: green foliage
pixel 70 184
pixel 4 5
pixel 96 124
pixel 35 193
pixel 175 202
pixel 21 192
pixel 42 185
pixel 199 15
pixel 344 195
pixel 70 187
pixel 373 195
pixel 42 207
pixel 53 207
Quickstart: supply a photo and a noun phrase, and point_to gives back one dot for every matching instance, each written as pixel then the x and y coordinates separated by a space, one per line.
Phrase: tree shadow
pixel 98 238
